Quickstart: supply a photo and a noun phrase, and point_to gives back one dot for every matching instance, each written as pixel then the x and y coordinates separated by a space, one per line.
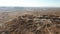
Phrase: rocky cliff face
pixel 32 24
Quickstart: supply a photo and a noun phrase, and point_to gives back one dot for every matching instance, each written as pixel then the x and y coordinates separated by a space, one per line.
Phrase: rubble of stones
pixel 32 24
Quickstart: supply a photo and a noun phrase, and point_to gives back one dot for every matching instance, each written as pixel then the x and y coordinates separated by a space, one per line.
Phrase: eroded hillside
pixel 32 24
pixel 30 21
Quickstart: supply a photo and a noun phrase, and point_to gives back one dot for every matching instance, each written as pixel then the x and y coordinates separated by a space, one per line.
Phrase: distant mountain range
pixel 26 8
pixel 10 8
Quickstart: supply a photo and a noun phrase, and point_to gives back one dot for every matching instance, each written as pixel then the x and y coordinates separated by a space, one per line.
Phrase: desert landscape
pixel 29 20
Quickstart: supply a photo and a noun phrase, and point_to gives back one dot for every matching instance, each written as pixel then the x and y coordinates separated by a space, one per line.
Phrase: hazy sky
pixel 31 3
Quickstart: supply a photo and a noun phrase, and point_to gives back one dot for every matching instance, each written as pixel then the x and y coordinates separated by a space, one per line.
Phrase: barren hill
pixel 33 24
pixel 30 21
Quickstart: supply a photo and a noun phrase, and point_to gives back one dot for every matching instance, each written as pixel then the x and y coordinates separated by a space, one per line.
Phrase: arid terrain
pixel 28 20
